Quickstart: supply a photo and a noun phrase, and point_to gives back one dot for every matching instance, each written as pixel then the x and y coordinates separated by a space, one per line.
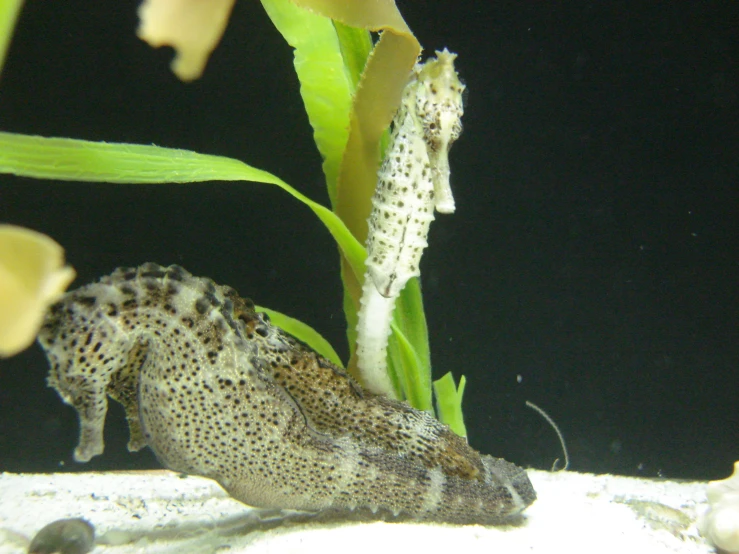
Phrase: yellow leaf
pixel 192 27
pixel 32 276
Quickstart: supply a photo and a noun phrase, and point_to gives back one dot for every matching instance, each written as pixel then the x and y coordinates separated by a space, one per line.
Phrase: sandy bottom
pixel 161 512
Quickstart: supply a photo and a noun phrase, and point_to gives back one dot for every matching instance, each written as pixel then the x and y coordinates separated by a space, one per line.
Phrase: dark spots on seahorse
pixel 87 300
pixel 205 303
pixel 56 308
pixel 176 273
pixel 171 290
pixel 210 286
pixel 152 271
pixel 127 289
pixel 150 285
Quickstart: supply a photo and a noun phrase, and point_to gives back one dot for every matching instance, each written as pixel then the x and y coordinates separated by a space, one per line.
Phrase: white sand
pixel 158 512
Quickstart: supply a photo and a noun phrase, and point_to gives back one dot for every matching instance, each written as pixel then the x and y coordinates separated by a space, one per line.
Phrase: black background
pixel 593 256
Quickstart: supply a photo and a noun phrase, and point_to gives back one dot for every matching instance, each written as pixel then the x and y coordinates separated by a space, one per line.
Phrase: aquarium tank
pixel 589 267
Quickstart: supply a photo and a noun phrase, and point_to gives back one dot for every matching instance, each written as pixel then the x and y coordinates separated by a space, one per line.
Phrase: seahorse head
pixel 440 104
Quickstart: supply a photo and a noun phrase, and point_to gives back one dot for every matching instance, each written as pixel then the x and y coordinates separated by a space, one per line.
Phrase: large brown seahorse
pixel 216 390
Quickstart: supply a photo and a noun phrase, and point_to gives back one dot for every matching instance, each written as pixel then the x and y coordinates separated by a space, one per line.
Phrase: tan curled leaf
pixel 192 27
pixel 32 276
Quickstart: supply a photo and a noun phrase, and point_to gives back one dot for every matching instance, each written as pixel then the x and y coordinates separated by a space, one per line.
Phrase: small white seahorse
pixel 412 182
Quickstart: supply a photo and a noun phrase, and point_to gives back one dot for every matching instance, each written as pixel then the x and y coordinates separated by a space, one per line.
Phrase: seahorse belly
pixel 216 390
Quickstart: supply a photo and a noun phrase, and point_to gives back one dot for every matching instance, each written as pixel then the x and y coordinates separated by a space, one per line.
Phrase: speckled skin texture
pixel 216 390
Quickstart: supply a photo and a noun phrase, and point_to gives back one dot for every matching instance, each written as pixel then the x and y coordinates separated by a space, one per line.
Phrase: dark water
pixel 591 267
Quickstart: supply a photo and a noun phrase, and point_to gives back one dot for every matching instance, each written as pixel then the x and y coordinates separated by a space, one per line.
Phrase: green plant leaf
pixel 408 372
pixel 9 10
pixel 449 403
pixel 326 82
pixel 80 160
pixel 409 316
pixel 302 332
pixel 356 46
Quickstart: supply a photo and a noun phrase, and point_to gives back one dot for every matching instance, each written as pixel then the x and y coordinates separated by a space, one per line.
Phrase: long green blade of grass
pixel 80 160
pixel 302 332
pixel 410 317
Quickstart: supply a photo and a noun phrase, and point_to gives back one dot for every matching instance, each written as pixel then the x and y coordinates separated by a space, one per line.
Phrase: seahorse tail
pixel 373 328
